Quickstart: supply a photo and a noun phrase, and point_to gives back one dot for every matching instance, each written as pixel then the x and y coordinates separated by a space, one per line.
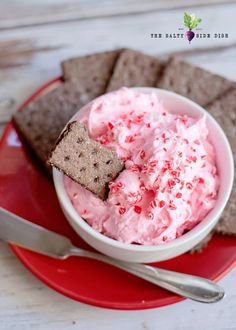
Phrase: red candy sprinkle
pixel 153 203
pixel 113 187
pixel 171 183
pixel 201 180
pixel 144 169
pixel 142 154
pixel 122 210
pixel 178 195
pixel 104 140
pixel 153 163
pixel 138 119
pixel 129 124
pixel 110 125
pixel 137 209
pixel 172 205
pixel 148 170
pixel 180 154
pixel 189 185
pixel 164 238
pixel 120 184
pixel 148 125
pixel 138 197
pixel 157 187
pixel 135 168
pixel 150 215
pixel 161 204
pixel 132 194
pixel 211 195
pixel 129 139
pixel 140 116
pixel 142 186
pixel 163 113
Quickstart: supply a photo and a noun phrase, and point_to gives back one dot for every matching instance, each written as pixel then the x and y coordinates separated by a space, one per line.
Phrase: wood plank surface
pixel 16 13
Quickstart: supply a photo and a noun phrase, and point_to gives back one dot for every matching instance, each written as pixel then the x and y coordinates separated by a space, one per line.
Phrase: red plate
pixel 26 191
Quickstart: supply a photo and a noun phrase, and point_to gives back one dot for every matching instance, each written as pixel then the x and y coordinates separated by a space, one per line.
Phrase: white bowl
pixel 137 253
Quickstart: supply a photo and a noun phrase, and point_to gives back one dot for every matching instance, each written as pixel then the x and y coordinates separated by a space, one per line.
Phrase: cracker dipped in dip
pixel 170 180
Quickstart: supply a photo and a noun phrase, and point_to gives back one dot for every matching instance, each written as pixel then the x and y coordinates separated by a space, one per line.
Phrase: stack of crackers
pixel 85 78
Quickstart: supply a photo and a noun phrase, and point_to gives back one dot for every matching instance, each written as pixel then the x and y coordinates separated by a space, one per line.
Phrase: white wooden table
pixel 34 38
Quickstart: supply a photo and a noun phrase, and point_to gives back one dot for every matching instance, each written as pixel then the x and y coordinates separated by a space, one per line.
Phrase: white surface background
pixel 34 38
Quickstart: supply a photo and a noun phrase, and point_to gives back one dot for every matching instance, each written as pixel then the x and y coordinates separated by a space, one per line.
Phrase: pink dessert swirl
pixel 170 180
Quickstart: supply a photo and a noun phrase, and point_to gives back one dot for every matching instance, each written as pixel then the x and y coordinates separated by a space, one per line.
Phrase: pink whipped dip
pixel 170 180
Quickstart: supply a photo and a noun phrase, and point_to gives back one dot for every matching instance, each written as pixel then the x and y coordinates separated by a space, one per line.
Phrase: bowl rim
pixel 205 224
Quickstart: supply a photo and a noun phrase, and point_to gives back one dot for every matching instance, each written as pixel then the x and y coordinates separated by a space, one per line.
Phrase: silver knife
pixel 21 232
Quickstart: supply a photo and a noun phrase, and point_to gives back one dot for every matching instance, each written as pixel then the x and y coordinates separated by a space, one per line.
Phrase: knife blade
pixel 16 230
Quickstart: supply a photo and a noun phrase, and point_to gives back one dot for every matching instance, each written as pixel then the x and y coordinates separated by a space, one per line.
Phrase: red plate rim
pixel 19 252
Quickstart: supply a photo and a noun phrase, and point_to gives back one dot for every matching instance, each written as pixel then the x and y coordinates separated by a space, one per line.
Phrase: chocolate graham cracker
pixel 93 71
pixel 224 111
pixel 41 122
pixel 85 160
pixel 135 69
pixel 193 82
